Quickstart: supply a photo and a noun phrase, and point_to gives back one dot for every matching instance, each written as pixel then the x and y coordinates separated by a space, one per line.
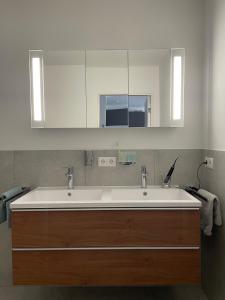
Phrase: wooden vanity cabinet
pixel 106 247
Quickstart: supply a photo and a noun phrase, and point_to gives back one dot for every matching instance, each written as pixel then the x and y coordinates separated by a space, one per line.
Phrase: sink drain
pixel 145 194
pixel 69 194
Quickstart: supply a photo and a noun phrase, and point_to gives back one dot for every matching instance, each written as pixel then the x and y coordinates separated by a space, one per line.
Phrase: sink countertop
pixel 106 197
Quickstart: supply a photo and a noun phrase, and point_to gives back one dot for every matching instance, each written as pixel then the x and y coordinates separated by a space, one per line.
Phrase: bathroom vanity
pixel 106 237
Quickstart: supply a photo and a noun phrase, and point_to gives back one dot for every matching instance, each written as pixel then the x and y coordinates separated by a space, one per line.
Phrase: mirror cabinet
pixel 107 88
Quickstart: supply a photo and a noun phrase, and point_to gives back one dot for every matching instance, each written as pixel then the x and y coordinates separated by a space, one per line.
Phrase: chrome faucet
pixel 144 175
pixel 70 177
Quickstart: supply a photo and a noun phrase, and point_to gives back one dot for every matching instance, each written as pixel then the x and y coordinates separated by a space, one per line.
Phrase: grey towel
pixel 5 197
pixel 2 212
pixel 12 192
pixel 210 212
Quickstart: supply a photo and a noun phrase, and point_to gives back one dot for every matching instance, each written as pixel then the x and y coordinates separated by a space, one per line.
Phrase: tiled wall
pixel 6 170
pixel 46 168
pixel 214 246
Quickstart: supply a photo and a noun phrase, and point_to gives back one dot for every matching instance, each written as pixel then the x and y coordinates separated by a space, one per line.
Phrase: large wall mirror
pixel 107 88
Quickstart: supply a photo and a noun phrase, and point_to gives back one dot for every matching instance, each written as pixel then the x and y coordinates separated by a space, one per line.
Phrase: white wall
pixel 215 78
pixel 96 24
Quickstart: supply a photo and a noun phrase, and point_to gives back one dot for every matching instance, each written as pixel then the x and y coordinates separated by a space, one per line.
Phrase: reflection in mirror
pixel 125 111
pixel 114 111
pixel 65 99
pixel 139 111
pixel 106 74
pixel 149 74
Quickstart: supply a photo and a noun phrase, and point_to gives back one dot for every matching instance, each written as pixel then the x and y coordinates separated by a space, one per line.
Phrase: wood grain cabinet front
pixel 108 248
pixel 106 267
pixel 112 228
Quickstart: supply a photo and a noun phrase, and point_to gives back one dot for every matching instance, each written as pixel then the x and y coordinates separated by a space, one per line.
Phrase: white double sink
pixel 105 197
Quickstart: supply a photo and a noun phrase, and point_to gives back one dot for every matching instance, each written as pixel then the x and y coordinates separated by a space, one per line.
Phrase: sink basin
pixel 107 197
pixel 57 198
pixel 154 197
pixel 156 194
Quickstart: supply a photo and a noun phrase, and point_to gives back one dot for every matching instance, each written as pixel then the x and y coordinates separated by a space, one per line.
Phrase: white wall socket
pixel 209 161
pixel 107 161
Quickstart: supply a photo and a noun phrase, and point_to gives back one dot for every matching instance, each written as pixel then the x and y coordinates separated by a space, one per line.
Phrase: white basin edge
pixel 104 201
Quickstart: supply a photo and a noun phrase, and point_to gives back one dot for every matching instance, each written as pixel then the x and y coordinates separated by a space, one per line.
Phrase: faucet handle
pixel 144 170
pixel 70 170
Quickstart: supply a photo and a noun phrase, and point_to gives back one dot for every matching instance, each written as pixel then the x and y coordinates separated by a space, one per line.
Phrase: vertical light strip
pixel 177 87
pixel 36 89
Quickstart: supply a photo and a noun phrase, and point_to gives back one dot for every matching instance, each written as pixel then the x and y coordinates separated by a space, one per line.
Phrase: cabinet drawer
pixel 113 228
pixel 106 267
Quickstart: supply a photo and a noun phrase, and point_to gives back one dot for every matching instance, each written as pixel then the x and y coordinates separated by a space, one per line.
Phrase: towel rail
pixel 194 192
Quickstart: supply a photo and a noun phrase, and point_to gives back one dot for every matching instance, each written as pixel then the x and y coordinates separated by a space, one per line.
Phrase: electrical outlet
pixel 209 161
pixel 102 162
pixel 112 162
pixel 107 161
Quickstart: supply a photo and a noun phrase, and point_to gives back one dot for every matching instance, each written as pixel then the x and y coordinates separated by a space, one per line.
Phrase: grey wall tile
pixel 214 178
pixel 120 175
pixel 46 168
pixel 6 170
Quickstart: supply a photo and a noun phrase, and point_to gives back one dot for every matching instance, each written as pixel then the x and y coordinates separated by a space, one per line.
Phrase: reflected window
pixel 114 111
pixel 125 111
pixel 139 111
